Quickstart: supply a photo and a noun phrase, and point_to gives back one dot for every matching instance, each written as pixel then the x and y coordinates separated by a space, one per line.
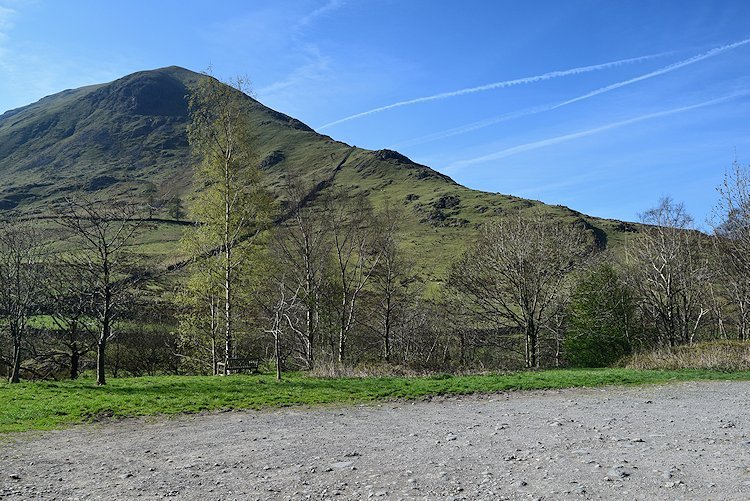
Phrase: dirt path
pixel 681 441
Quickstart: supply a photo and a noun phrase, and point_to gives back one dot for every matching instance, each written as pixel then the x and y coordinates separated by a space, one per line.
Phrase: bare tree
pixel 23 278
pixel 669 267
pixel 70 308
pixel 278 302
pixel 353 236
pixel 101 234
pixel 732 239
pixel 394 282
pixel 302 246
pixel 513 277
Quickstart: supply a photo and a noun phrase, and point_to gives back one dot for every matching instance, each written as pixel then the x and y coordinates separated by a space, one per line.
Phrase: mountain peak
pixel 128 138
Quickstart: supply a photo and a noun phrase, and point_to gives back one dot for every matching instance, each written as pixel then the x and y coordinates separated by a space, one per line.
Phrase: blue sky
pixel 603 106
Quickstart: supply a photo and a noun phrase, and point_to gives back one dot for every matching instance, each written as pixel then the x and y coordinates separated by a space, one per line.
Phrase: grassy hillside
pixel 127 138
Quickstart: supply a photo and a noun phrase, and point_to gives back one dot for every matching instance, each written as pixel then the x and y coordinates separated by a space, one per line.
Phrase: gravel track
pixel 679 441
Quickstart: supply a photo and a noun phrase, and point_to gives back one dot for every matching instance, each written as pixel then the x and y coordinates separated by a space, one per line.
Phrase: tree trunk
pixel 310 338
pixel 527 352
pixel 277 355
pixel 106 324
pixel 387 346
pixel 462 348
pixel 228 345
pixel 74 361
pixel 227 328
pixel 532 337
pixel 387 332
pixel 15 375
pixel 100 347
pixel 342 346
pixel 227 271
pixel 342 329
pixel 214 327
pixel 214 359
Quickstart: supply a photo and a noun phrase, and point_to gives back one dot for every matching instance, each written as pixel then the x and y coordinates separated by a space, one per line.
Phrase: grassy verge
pixel 721 355
pixel 46 405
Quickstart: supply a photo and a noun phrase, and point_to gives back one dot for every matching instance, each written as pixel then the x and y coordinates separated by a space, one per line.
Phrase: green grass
pixel 46 405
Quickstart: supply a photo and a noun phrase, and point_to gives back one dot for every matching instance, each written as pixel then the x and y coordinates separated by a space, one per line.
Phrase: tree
pixel 732 239
pixel 668 266
pixel 600 319
pixel 199 304
pixel 278 303
pixel 23 278
pixel 514 276
pixel 302 246
pixel 69 306
pixel 393 280
pixel 355 257
pixel 102 233
pixel 175 208
pixel 231 206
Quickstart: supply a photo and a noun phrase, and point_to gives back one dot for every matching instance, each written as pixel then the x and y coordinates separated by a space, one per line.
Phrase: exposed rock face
pixel 447 202
pixel 393 155
pixel 272 159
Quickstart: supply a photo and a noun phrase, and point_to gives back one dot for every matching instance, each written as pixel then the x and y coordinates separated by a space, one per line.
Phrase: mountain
pixel 128 138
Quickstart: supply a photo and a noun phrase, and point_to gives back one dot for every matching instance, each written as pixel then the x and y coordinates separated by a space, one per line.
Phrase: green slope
pixel 127 138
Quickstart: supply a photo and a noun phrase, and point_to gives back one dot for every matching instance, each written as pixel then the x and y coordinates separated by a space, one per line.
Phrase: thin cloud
pixel 6 14
pixel 329 6
pixel 584 133
pixel 315 69
pixel 6 24
pixel 540 109
pixel 496 85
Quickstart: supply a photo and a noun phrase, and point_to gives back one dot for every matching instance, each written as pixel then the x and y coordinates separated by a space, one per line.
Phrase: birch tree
pixel 355 257
pixel 732 238
pixel 668 263
pixel 231 208
pixel 303 246
pixel 200 301
pixel 394 283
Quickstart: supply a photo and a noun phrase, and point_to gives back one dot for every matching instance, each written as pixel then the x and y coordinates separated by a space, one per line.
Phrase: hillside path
pixel 679 441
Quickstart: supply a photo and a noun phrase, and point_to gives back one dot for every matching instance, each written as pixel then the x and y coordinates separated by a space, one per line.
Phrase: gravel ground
pixel 680 441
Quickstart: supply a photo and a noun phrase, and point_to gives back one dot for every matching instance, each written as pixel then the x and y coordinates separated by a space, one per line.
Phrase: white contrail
pixel 495 85
pixel 540 109
pixel 681 64
pixel 575 135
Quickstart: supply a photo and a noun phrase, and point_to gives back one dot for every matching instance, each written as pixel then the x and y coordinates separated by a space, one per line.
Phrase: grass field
pixel 46 405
